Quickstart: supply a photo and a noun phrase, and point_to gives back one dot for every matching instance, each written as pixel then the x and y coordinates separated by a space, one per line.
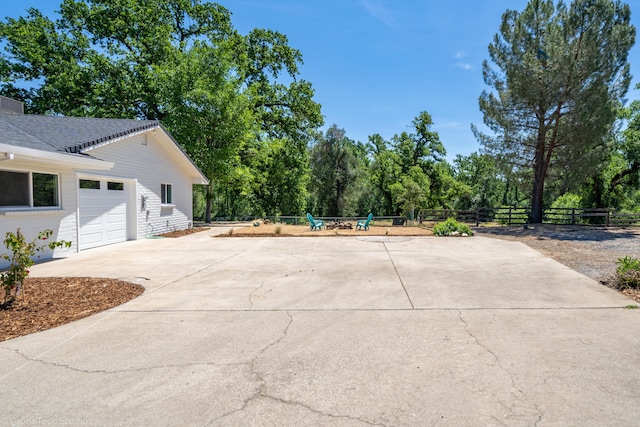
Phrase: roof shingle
pixel 65 134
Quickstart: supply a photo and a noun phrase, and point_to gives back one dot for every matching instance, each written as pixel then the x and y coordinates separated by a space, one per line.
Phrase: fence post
pixel 509 222
pixel 573 216
pixel 477 217
pixel 608 215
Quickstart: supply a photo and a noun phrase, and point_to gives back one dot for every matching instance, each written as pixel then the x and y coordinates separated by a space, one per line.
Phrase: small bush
pixel 628 272
pixel 450 226
pixel 21 259
pixel 278 229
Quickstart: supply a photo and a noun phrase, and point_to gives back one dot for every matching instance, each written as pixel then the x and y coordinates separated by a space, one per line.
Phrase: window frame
pixel 166 194
pixel 31 193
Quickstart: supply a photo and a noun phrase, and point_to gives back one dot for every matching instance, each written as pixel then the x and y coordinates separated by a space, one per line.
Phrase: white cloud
pixel 465 66
pixel 460 54
pixel 451 125
pixel 378 10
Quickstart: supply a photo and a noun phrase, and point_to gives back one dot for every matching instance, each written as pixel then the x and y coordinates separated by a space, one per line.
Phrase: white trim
pixel 59 159
pixel 31 212
pixel 119 138
pixel 163 194
pixel 31 206
pixel 131 184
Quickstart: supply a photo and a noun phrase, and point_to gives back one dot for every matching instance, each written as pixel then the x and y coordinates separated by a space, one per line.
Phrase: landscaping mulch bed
pixel 47 302
pixel 185 232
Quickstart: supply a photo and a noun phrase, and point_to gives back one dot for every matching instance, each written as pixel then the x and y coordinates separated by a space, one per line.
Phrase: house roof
pixel 66 134
pixel 74 136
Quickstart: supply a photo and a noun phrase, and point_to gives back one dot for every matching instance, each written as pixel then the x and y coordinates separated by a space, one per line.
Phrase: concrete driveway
pixel 353 331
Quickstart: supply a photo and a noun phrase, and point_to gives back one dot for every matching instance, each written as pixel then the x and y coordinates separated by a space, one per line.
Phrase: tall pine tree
pixel 561 73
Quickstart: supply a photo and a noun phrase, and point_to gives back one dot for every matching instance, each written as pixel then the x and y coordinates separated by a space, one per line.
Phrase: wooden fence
pixel 521 216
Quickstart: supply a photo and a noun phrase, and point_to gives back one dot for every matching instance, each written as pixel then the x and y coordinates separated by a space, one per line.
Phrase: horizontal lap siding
pixel 31 222
pixel 151 165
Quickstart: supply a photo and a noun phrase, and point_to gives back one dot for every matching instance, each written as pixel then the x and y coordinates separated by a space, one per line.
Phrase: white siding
pixel 31 222
pixel 145 159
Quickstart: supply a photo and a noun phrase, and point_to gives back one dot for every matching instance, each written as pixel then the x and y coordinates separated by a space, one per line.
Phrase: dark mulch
pixel 186 232
pixel 47 302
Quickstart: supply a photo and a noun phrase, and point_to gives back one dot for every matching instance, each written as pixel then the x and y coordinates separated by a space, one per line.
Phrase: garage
pixel 102 212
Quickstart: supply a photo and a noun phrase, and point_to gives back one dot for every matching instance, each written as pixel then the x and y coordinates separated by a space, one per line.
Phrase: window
pixel 165 194
pixel 117 186
pixel 89 184
pixel 45 190
pixel 15 188
pixel 28 189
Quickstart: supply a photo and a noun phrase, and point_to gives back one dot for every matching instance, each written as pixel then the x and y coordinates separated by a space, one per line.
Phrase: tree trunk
pixel 539 172
pixel 209 198
pixel 598 196
pixel 536 202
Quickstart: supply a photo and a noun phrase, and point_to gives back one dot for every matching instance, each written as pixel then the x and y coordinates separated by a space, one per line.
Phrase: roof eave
pixel 59 159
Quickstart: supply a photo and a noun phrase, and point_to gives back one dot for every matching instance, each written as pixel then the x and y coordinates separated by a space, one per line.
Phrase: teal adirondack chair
pixel 364 224
pixel 315 224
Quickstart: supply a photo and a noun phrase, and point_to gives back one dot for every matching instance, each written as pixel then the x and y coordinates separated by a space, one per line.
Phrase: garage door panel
pixel 102 216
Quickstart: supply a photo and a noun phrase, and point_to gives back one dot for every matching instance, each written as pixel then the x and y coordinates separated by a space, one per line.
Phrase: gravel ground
pixel 588 250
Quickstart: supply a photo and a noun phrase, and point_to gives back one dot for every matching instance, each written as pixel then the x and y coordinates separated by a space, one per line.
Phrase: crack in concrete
pixel 260 393
pixel 498 363
pixel 259 380
pixel 263 284
pixel 253 293
pixel 321 413
pixel 120 371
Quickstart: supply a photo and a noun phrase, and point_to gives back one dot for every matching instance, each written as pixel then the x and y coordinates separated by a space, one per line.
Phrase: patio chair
pixel 315 224
pixel 364 224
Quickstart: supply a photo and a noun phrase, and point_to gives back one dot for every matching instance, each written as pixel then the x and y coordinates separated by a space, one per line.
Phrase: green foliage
pixel 564 206
pixel 616 183
pixel 480 181
pixel 409 172
pixel 568 200
pixel 21 259
pixel 333 171
pixel 451 226
pixel 628 272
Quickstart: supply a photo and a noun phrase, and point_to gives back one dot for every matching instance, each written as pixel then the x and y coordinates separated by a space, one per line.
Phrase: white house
pixel 92 181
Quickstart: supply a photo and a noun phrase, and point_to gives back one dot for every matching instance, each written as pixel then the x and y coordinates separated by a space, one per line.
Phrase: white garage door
pixel 103 212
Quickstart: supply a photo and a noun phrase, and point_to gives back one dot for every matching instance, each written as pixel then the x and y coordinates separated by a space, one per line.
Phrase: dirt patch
pixel 286 230
pixel 186 232
pixel 48 302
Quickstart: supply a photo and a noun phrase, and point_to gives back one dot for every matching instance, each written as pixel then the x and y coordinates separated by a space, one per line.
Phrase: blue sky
pixel 376 64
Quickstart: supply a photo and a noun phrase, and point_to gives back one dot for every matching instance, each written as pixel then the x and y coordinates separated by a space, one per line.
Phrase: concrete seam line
pixel 398 274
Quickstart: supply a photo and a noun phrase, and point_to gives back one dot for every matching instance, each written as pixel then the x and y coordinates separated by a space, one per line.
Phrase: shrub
pixel 628 272
pixel 449 226
pixel 561 208
pixel 21 259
